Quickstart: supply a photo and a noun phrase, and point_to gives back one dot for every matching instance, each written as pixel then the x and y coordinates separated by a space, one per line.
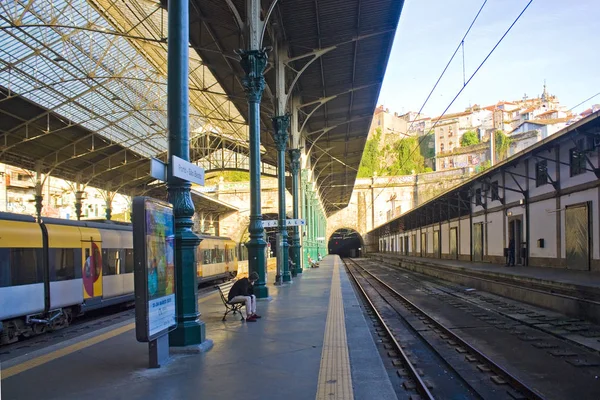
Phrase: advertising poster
pixel 160 264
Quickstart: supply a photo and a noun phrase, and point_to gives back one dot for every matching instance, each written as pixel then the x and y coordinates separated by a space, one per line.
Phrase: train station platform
pixel 571 292
pixel 312 341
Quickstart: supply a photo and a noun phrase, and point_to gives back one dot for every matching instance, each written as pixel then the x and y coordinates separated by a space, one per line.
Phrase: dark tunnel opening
pixel 345 243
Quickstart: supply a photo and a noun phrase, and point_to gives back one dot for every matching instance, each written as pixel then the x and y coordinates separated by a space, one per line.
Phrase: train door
pixel 477 242
pixel 577 232
pixel 436 244
pixel 453 243
pixel 226 257
pixel 91 273
pixel 515 232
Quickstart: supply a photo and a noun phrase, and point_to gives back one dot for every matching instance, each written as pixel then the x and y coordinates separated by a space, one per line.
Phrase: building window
pixel 576 162
pixel 451 163
pixel 541 173
pixel 470 159
pixel 478 201
pixel 495 195
pixel 441 146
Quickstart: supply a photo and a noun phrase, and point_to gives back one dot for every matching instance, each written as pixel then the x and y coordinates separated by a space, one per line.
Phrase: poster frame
pixel 141 272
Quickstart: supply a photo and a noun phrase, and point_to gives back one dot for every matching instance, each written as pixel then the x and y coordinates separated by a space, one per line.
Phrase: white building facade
pixel 546 199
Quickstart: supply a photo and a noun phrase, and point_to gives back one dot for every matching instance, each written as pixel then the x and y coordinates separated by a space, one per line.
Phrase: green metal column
pixel 309 222
pixel 313 224
pixel 306 216
pixel 320 233
pixel 190 330
pixel 281 124
pixel 295 167
pixel 254 62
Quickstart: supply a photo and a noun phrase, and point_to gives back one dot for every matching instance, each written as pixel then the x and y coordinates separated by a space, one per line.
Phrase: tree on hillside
pixel 370 158
pixel 469 138
pixel 502 143
pixel 408 158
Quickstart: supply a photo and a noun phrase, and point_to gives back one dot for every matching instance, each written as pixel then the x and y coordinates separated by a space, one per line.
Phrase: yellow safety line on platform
pixel 36 362
pixel 335 379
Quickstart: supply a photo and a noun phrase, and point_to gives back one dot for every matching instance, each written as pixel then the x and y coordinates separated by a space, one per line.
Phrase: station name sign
pixel 288 222
pixel 187 171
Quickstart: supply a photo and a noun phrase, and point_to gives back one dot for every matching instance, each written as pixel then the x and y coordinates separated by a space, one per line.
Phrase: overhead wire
pixel 459 92
pixel 588 99
pixel 461 44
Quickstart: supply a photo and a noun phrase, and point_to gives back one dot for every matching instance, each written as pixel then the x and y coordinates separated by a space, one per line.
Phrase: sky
pixel 554 40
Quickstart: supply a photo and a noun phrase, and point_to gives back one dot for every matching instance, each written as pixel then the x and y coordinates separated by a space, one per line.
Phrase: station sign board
pixel 295 222
pixel 288 222
pixel 270 223
pixel 154 268
pixel 187 171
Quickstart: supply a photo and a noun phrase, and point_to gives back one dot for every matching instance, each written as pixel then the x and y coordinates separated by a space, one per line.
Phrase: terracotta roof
pixel 447 116
pixel 528 110
pixel 547 112
pixel 551 121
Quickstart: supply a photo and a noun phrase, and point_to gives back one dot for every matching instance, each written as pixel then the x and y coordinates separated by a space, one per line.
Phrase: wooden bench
pixel 234 307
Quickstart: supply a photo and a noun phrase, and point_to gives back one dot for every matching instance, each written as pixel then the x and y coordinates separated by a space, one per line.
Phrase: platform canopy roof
pixel 83 86
pixel 337 92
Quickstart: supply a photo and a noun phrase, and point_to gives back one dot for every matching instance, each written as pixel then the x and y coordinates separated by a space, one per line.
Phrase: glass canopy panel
pixel 102 65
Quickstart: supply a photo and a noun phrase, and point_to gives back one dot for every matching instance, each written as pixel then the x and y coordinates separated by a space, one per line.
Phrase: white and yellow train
pixel 54 270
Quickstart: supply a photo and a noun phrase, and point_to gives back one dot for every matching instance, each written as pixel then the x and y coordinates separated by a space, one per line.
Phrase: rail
pixel 514 382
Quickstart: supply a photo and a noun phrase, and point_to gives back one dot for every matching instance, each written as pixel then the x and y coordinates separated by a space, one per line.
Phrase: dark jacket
pixel 242 287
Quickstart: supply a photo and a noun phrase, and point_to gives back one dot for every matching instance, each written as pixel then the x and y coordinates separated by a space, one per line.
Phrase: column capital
pixel 253 63
pixel 280 135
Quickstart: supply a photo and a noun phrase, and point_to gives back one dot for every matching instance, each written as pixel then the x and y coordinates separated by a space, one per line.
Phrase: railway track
pixel 433 361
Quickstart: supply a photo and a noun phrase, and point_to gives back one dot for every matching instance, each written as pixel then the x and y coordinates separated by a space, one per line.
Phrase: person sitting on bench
pixel 243 290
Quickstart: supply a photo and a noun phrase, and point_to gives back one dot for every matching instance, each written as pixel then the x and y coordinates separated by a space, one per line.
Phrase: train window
pixel 128 262
pixel 110 262
pixel 207 258
pixel 5 267
pixel 62 264
pixel 220 255
pixel 26 266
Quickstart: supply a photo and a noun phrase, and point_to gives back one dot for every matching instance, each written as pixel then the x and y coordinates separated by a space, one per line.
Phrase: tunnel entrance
pixel 345 243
